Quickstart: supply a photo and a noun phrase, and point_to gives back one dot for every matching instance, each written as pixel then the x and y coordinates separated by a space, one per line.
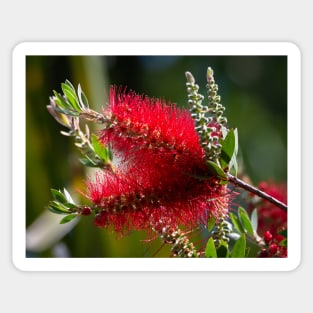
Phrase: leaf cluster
pixel 71 103
pixel 63 204
pixel 245 227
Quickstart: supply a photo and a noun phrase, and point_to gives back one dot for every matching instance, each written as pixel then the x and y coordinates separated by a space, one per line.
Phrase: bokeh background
pixel 253 89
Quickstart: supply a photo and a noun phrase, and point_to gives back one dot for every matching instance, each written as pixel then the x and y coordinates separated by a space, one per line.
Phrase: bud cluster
pixel 221 232
pixel 208 118
pixel 275 246
pixel 181 245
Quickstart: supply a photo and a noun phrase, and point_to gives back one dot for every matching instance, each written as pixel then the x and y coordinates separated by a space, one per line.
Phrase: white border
pixel 155 48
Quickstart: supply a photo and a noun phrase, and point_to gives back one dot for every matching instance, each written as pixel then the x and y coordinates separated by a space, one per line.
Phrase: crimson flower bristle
pixel 161 168
pixel 139 122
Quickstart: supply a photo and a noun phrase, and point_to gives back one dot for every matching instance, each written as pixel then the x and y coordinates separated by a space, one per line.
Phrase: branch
pixel 238 182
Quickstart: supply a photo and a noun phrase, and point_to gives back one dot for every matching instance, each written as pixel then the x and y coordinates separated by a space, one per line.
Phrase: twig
pixel 264 195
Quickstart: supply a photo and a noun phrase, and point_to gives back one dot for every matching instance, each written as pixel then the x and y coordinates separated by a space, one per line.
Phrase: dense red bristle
pixel 160 165
pixel 140 122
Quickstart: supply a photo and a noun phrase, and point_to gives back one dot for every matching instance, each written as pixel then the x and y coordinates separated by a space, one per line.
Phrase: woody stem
pixel 238 182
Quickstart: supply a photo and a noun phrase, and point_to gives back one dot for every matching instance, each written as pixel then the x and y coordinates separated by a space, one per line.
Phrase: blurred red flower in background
pixel 270 217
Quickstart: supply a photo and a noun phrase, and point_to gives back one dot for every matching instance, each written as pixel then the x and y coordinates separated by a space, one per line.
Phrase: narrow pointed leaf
pixel 233 164
pixel 228 149
pixel 86 161
pixel 70 205
pixel 211 223
pixel 55 210
pixel 67 218
pixel 215 170
pixel 65 111
pixel 210 250
pixel 58 196
pixel 71 97
pixel 82 97
pixel 236 222
pixel 60 101
pixel 239 248
pixel 67 82
pixel 245 220
pixel 110 153
pixel 100 149
pixel 68 196
pixel 254 219
pixel 57 207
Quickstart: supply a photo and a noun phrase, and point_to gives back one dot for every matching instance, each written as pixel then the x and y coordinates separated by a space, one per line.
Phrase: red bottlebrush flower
pixel 270 216
pixel 160 160
pixel 138 122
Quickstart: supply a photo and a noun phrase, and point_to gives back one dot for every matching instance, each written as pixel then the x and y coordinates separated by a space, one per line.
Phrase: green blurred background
pixel 253 89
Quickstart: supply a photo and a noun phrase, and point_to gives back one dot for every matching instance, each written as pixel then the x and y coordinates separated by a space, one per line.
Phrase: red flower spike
pixel 125 202
pixel 160 160
pixel 140 122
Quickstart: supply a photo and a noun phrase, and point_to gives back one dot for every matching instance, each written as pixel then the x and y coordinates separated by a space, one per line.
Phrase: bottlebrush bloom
pixel 138 122
pixel 161 170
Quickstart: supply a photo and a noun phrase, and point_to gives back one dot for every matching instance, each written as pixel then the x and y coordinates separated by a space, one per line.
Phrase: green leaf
pixel 68 196
pixel 210 250
pixel 245 220
pixel 222 251
pixel 58 195
pixel 239 248
pixel 211 223
pixel 283 243
pixel 67 82
pixel 82 98
pixel 55 210
pixel 68 218
pixel 233 166
pixel 110 153
pixel 283 232
pixel 100 149
pixel 67 111
pixel 228 149
pixel 233 162
pixel 236 222
pixel 215 170
pixel 71 96
pixel 254 219
pixel 57 207
pixel 70 205
pixel 60 101
pixel 86 161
